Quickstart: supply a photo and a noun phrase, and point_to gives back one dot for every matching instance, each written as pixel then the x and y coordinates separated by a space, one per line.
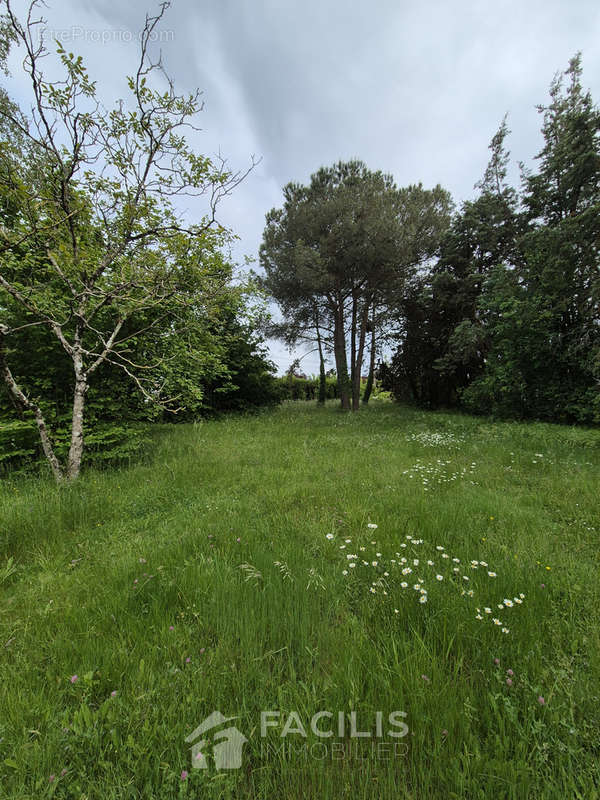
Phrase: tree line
pixel 115 308
pixel 493 307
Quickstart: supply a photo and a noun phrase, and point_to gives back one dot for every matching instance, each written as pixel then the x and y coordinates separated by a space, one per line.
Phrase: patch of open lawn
pixel 217 575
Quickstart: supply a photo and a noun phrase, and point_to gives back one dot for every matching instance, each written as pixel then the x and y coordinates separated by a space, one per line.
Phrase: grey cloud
pixel 414 89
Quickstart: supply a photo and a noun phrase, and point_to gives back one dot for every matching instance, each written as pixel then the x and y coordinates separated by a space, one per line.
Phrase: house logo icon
pixel 226 747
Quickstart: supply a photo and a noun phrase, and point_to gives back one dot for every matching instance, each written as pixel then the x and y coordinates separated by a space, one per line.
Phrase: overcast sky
pixel 417 90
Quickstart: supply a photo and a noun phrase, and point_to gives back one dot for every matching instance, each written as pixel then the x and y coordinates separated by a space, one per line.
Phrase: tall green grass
pixel 214 549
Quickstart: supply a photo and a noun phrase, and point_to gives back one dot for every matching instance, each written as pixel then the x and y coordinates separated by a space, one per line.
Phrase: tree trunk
pixel 371 378
pixel 353 345
pixel 24 402
pixel 76 448
pixel 322 377
pixel 341 360
pixel 357 367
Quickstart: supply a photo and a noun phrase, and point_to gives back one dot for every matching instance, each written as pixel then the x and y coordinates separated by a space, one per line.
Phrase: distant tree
pixel 303 323
pixel 92 246
pixel 246 378
pixel 347 242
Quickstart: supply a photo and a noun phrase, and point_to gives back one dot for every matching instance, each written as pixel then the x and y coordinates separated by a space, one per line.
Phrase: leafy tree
pixel 93 248
pixel 248 381
pixel 443 342
pixel 507 320
pixel 545 364
pixel 346 243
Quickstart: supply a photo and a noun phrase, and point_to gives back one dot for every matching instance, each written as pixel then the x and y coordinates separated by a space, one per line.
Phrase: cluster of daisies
pixel 435 439
pixel 439 472
pixel 410 570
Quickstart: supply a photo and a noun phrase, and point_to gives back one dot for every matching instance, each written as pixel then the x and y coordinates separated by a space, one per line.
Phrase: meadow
pixel 302 561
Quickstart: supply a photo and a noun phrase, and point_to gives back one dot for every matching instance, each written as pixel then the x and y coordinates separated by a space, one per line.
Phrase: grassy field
pixel 216 575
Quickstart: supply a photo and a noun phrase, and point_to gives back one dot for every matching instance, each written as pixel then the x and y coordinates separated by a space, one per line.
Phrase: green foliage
pixel 292 387
pixel 99 270
pixel 115 309
pixel 108 444
pixel 507 322
pixel 342 247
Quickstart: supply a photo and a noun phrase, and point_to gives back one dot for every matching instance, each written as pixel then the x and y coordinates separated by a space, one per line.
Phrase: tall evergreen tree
pixel 546 364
